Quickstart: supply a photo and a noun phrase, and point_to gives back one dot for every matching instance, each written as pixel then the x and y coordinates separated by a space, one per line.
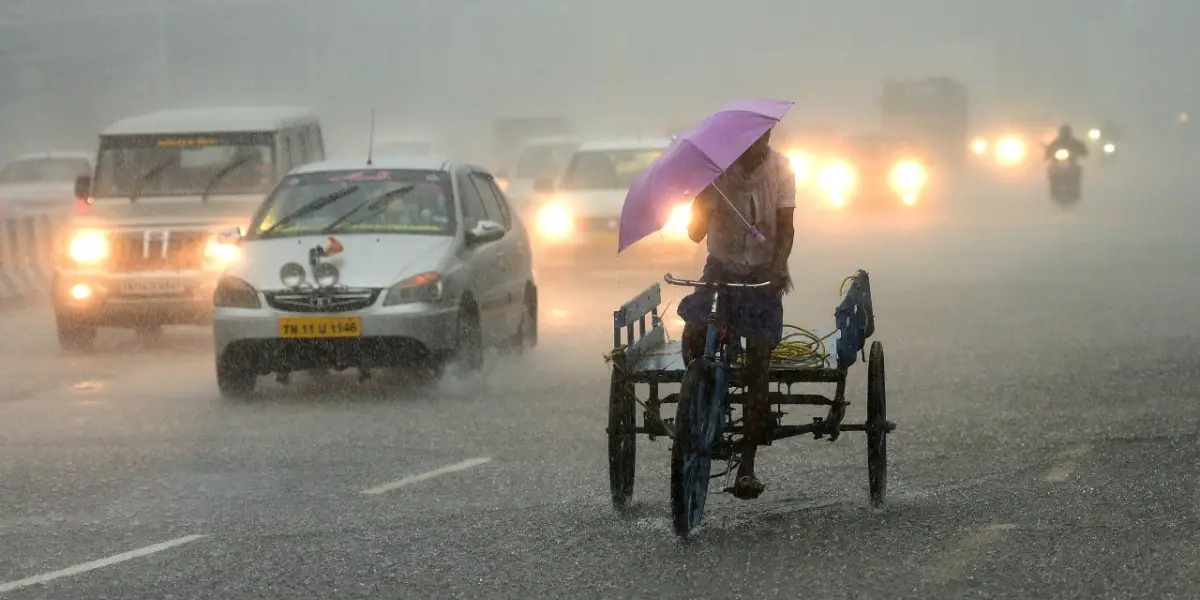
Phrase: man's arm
pixel 785 232
pixel 702 208
pixel 785 224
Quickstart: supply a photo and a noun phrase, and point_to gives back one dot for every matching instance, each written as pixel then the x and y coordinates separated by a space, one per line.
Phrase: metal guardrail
pixel 27 248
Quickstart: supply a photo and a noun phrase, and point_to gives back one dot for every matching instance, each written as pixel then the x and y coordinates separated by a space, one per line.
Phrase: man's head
pixel 1064 131
pixel 756 153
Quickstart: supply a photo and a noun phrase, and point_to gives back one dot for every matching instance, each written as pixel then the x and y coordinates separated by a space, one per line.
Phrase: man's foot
pixel 748 487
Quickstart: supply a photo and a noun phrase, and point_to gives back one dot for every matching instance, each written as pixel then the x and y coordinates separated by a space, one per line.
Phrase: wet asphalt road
pixel 1043 369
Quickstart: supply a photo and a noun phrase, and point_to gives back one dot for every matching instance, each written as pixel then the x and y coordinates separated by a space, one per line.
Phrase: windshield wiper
pixel 371 206
pixel 311 207
pixel 227 169
pixel 147 176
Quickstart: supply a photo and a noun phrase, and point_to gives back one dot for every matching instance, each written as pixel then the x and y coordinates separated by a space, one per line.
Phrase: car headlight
pixel 222 253
pixel 554 221
pixel 423 287
pixel 907 176
pixel 1062 154
pixel 837 178
pixel 801 164
pixel 680 217
pixel 979 146
pixel 1010 150
pixel 88 247
pixel 232 292
pixel 1094 134
pixel 1109 148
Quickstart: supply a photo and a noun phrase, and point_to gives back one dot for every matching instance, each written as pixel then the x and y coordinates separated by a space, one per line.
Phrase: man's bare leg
pixel 692 341
pixel 755 413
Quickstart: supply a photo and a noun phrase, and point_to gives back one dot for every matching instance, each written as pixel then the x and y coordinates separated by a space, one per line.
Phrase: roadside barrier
pixel 27 253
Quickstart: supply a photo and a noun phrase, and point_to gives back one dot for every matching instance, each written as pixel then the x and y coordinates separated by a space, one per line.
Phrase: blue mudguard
pixel 855 318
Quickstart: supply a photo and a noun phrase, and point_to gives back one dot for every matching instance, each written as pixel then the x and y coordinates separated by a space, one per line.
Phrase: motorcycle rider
pixel 1066 141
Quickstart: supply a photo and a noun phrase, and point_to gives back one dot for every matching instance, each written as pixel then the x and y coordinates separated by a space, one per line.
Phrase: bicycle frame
pixel 716 350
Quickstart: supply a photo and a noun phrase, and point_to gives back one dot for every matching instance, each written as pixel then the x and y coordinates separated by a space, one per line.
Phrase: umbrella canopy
pixel 692 162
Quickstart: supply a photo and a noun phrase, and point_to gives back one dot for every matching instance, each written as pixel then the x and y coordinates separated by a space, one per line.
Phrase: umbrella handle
pixel 758 236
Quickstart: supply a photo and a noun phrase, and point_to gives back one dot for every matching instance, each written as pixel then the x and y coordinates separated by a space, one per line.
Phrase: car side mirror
pixel 484 232
pixel 543 186
pixel 232 236
pixel 83 187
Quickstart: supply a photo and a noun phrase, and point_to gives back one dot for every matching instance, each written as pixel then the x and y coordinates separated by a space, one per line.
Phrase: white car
pixel 583 210
pixel 538 164
pixel 43 182
pixel 407 263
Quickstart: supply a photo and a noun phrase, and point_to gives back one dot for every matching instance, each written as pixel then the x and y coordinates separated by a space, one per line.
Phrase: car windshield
pixel 189 163
pixel 383 201
pixel 36 170
pixel 608 169
pixel 541 161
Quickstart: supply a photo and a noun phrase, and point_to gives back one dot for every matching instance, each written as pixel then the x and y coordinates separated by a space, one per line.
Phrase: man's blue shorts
pixel 748 313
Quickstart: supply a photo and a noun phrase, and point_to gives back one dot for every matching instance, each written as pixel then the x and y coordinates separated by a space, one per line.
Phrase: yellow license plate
pixel 319 327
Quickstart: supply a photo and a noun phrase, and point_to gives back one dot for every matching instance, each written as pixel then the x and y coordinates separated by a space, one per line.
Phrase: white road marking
pixel 399 483
pixel 1065 464
pixel 97 564
pixel 966 551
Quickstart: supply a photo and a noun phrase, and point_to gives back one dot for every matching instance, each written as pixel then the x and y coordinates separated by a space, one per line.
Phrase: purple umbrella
pixel 693 161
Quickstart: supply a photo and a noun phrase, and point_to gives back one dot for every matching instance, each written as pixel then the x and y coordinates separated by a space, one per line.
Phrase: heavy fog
pixel 68 69
pixel 444 413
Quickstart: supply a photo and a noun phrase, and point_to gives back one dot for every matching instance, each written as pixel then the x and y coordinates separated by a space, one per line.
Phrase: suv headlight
pixel 424 287
pixel 88 247
pixel 232 292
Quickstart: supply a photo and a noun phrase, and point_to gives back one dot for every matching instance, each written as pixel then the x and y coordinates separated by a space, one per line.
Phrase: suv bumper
pixel 135 299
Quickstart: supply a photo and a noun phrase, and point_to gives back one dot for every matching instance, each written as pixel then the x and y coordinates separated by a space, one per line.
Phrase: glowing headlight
pixel 221 252
pixel 1109 148
pixel 837 178
pixel 423 287
pixel 907 176
pixel 1062 154
pixel 1010 150
pixel 801 164
pixel 680 217
pixel 554 221
pixel 88 248
pixel 979 146
pixel 1094 134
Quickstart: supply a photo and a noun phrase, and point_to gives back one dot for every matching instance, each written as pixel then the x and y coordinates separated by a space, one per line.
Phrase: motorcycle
pixel 1066 177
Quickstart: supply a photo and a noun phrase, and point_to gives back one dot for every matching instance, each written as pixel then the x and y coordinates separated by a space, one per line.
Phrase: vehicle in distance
pixel 408 263
pixel 580 214
pixel 873 171
pixel 538 164
pixel 143 250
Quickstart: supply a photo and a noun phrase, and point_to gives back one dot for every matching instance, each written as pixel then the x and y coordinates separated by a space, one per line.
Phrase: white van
pixel 145 248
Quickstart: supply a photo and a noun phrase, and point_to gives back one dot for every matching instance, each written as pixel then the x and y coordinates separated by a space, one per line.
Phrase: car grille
pixel 322 301
pixel 157 250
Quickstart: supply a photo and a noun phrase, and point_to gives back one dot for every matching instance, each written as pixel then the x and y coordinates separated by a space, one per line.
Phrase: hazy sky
pixel 454 65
